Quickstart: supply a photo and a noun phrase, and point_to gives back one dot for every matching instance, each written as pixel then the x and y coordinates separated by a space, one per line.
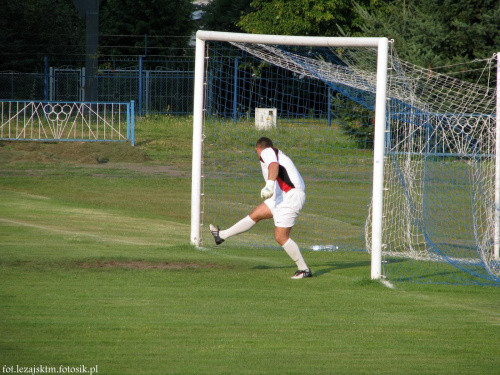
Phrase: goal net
pixel 317 103
pixel 440 176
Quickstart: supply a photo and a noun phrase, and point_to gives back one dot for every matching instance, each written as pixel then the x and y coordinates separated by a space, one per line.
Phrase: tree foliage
pixel 299 17
pixel 33 29
pixel 223 15
pixel 167 23
pixel 429 33
pixel 432 33
pixel 426 32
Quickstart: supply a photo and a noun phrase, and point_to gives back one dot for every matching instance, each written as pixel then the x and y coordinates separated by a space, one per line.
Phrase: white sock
pixel 241 226
pixel 292 249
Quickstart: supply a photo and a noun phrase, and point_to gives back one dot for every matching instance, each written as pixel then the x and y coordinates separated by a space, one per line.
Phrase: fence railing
pixel 67 121
pixel 163 89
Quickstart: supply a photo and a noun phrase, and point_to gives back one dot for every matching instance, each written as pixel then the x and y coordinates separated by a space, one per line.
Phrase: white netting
pixel 440 151
pixel 440 171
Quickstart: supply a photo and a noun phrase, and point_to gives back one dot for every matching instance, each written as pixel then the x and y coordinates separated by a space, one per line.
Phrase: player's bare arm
pixel 273 171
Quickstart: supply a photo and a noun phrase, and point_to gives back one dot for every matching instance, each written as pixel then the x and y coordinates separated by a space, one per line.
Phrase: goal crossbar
pixel 381 44
pixel 287 40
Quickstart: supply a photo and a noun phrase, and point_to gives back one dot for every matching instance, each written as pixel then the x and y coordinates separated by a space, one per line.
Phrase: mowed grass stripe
pixel 48 215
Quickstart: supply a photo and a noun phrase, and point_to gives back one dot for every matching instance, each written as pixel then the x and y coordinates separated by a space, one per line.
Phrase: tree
pixel 223 15
pixel 33 29
pixel 167 23
pixel 300 17
pixel 433 33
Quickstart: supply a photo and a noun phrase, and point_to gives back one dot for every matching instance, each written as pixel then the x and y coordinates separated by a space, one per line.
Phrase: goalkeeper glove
pixel 268 190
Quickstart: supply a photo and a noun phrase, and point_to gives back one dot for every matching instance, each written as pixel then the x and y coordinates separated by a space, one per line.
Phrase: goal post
pixel 496 239
pixel 381 44
pixel 399 160
pixel 378 159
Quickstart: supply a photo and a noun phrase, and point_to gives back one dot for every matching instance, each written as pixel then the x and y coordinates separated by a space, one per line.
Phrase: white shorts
pixel 285 211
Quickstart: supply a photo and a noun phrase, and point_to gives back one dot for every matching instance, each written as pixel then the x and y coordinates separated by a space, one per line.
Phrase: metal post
pixel 139 96
pixel 329 119
pixel 46 78
pixel 52 84
pixel 91 60
pixel 496 241
pixel 82 80
pixel 235 90
pixel 199 78
pixel 132 123
pixel 378 159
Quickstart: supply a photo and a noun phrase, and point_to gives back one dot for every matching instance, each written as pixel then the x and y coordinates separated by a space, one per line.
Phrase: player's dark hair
pixel 263 143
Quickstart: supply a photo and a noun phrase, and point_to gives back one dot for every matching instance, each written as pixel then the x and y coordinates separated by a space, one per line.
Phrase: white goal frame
pixel 382 44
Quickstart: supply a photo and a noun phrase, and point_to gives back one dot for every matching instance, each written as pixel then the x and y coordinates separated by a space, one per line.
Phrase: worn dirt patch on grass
pixel 181 170
pixel 74 152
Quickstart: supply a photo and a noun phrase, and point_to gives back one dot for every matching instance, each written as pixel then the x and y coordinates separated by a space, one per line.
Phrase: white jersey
pixel 288 175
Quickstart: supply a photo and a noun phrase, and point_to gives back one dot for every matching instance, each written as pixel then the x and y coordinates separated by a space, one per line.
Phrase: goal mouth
pixel 395 141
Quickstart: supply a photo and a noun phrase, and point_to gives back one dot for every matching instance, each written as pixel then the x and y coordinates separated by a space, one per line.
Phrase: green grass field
pixel 97 271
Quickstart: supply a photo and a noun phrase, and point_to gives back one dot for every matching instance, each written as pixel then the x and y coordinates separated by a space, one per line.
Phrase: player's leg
pixel 282 236
pixel 285 215
pixel 261 212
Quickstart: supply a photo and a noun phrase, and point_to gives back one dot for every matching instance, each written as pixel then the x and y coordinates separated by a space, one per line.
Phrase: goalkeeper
pixel 284 196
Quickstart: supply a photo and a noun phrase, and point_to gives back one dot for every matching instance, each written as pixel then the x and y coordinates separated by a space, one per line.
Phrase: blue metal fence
pixel 156 87
pixel 67 121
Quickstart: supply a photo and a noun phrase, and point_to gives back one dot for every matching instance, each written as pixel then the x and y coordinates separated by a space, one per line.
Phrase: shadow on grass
pixel 321 269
